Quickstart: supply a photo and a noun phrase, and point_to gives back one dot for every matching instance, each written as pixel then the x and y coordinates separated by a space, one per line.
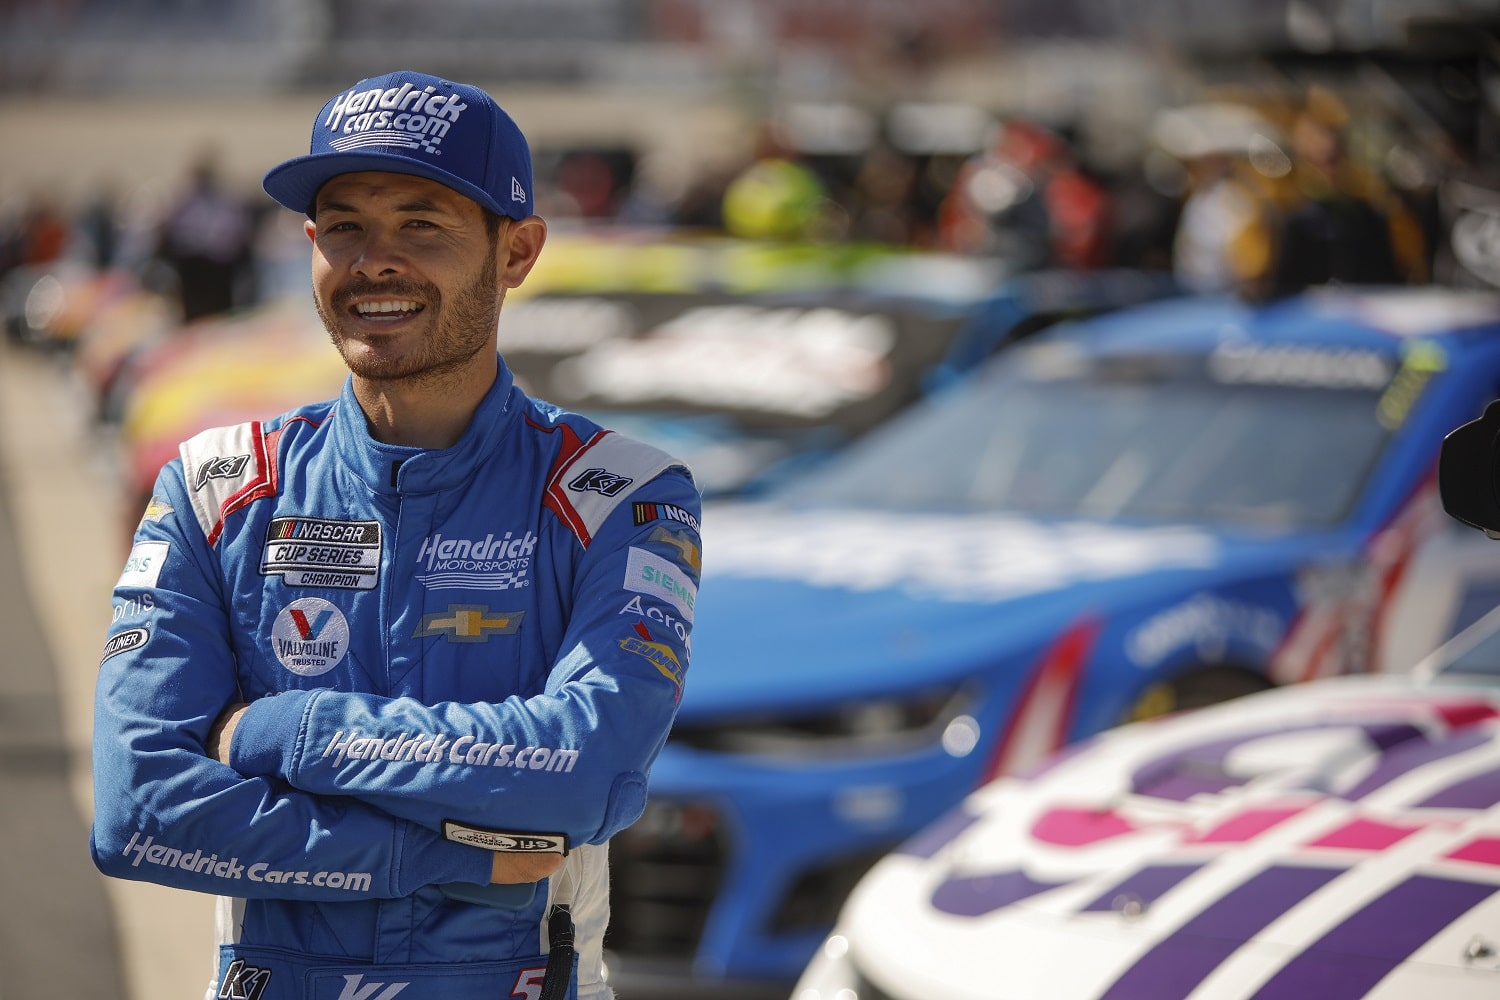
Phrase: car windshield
pixel 1143 438
pixel 1477 654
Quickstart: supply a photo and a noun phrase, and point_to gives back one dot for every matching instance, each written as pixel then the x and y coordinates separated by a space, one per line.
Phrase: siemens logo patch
pixel 317 552
pixel 143 565
pixel 648 573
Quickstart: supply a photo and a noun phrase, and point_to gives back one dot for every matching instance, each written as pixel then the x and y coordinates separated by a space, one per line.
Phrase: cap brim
pixel 295 183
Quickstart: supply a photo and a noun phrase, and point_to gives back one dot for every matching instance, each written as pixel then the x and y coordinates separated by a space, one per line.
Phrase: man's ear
pixel 523 241
pixel 311 229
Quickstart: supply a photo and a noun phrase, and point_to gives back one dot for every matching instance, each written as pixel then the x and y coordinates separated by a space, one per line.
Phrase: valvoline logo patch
pixel 310 636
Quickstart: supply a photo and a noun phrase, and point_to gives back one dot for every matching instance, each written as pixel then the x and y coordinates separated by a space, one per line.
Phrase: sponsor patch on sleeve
pixel 648 573
pixel 505 841
pixel 143 565
pixel 124 642
pixel 156 509
pixel 645 513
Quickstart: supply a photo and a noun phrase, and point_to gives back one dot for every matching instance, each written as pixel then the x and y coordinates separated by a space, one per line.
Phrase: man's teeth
pixel 400 305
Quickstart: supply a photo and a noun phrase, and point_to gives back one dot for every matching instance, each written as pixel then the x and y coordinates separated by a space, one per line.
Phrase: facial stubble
pixel 459 332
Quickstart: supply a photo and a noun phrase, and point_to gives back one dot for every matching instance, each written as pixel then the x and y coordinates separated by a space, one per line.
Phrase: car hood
pixel 835 602
pixel 1309 842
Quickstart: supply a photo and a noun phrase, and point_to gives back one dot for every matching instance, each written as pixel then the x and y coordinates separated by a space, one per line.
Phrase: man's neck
pixel 431 413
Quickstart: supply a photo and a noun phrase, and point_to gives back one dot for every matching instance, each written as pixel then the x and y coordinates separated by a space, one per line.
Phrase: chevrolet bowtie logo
pixel 469 623
pixel 688 553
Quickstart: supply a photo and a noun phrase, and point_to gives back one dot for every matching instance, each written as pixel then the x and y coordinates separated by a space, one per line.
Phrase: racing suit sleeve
pixel 167 812
pixel 572 760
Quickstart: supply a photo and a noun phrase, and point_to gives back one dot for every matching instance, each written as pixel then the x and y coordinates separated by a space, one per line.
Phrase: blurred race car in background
pixel 1329 841
pixel 748 360
pixel 1156 508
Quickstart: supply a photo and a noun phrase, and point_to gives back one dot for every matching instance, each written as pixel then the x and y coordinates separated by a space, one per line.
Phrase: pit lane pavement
pixel 65 930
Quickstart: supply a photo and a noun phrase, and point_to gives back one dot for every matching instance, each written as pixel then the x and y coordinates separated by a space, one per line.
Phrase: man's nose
pixel 378 257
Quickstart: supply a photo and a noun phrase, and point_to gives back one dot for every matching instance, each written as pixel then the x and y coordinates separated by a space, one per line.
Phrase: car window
pixel 1133 439
pixel 1479 659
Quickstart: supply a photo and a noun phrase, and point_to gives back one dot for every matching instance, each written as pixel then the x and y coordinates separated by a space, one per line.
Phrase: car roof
pixel 1371 318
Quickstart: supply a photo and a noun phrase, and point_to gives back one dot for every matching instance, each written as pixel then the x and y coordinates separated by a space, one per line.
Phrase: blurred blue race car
pixel 1153 509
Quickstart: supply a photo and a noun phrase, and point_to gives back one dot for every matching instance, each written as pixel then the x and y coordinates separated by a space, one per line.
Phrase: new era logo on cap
pixel 412 123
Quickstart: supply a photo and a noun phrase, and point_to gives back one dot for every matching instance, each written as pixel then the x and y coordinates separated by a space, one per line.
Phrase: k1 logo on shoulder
pixel 220 468
pixel 600 481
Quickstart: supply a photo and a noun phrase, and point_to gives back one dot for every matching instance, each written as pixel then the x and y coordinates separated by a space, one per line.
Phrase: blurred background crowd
pixel 1256 147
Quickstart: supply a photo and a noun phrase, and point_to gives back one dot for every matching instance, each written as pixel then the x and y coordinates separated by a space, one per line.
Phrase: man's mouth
pixel 387 309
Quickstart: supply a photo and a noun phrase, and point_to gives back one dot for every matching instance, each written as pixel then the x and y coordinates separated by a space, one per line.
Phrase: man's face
pixel 404 274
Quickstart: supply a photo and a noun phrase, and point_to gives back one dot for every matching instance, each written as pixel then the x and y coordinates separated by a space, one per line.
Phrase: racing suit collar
pixel 393 469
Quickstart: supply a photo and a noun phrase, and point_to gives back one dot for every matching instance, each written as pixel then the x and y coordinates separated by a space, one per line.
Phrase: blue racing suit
pixel 445 652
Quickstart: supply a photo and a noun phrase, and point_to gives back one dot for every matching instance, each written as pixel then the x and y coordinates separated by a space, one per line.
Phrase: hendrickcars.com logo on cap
pixel 396 116
pixel 412 123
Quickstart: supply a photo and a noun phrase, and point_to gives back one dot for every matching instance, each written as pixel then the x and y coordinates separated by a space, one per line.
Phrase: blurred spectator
pixel 43 233
pixel 1148 207
pixel 98 227
pixel 1344 224
pixel 1225 232
pixel 884 208
pixel 207 240
pixel 1028 199
pixel 1234 186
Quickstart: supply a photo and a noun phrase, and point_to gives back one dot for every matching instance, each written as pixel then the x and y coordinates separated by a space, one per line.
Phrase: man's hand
pixel 222 734
pixel 508 868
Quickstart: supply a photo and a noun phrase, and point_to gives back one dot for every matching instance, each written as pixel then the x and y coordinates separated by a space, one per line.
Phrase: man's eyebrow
pixel 334 206
pixel 424 205
pixel 419 204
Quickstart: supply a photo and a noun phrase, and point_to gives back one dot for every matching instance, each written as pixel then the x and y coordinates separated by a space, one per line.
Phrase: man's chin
pixel 370 363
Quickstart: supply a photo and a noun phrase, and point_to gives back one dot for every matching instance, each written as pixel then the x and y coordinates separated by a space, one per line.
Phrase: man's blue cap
pixel 412 123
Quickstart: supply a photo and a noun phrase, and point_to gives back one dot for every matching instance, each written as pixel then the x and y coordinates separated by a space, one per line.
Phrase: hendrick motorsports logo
pixel 487 563
pixel 310 636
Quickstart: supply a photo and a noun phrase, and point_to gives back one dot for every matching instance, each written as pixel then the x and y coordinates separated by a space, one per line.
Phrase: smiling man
pixel 386 671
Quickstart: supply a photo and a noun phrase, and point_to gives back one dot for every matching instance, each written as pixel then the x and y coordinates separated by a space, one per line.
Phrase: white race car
pixel 1324 841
